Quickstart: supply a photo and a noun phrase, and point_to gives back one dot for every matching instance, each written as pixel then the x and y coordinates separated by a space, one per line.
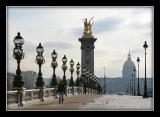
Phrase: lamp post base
pixel 138 94
pixel 20 98
pixel 145 96
pixel 19 95
pixel 41 93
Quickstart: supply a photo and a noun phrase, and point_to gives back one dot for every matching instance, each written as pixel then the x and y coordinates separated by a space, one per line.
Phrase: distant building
pixel 128 68
pixel 10 77
pixel 48 81
pixel 125 84
pixel 121 85
pixel 29 78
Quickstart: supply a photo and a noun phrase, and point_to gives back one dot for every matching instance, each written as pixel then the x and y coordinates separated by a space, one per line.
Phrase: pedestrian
pixel 61 90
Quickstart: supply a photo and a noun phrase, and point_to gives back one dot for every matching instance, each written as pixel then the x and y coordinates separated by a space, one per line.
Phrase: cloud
pixel 140 25
pixel 59 45
pixel 107 24
pixel 29 47
pixel 77 31
pixel 137 51
pixel 101 52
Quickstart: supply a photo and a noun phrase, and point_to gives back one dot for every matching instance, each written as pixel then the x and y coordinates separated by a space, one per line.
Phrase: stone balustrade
pixel 33 94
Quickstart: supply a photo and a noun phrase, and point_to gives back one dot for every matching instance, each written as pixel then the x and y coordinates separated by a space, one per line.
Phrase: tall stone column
pixel 87 53
pixel 87 46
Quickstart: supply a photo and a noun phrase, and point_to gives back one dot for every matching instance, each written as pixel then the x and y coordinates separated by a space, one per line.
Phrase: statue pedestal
pixel 86 36
pixel 87 54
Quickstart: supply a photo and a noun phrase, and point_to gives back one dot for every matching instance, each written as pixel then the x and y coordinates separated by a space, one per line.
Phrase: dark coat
pixel 61 88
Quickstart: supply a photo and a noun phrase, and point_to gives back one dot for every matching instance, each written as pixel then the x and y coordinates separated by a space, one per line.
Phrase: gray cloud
pixel 77 31
pixel 140 25
pixel 101 52
pixel 107 24
pixel 139 12
pixel 59 45
pixel 137 51
pixel 29 47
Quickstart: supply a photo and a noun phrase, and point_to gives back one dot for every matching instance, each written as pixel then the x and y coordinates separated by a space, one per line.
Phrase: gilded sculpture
pixel 87 27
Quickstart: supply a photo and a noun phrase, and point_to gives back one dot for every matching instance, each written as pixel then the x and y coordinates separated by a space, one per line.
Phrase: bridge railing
pixel 29 95
pixel 33 94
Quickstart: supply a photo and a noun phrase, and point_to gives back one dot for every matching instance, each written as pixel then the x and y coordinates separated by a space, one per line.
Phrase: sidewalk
pixel 71 102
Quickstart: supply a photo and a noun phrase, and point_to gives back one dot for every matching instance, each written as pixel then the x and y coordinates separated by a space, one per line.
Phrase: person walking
pixel 61 90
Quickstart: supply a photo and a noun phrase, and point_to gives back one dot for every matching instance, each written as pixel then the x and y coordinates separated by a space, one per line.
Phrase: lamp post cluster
pixel 83 80
pixel 87 81
pixel 90 81
pixel 132 84
pixel 78 78
pixel 132 81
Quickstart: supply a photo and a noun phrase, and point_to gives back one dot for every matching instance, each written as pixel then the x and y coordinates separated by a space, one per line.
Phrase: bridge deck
pixel 70 103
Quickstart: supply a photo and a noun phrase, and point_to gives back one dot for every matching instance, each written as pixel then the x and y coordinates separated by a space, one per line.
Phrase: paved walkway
pixel 120 102
pixel 70 103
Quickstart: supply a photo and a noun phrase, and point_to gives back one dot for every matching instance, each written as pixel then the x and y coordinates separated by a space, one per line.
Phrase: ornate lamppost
pixel 94 83
pixel 145 46
pixel 132 84
pixel 40 60
pixel 54 64
pixel 90 82
pixel 92 78
pixel 84 80
pixel 71 83
pixel 78 79
pixel 138 93
pixel 87 80
pixel 97 83
pixel 18 54
pixel 64 68
pixel 134 80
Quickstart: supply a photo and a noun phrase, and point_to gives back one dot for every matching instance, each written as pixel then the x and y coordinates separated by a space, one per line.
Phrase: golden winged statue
pixel 87 27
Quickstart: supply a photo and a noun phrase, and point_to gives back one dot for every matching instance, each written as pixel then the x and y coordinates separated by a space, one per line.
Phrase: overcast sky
pixel 117 30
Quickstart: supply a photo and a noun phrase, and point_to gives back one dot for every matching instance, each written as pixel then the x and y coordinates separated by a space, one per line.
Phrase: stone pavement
pixel 70 103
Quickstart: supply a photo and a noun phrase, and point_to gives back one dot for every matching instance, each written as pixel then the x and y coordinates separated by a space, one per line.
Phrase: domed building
pixel 128 68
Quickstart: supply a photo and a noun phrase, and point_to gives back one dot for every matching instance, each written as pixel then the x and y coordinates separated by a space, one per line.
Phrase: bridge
pixel 31 99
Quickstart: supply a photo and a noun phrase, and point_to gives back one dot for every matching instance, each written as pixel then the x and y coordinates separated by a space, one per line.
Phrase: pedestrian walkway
pixel 120 102
pixel 71 102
